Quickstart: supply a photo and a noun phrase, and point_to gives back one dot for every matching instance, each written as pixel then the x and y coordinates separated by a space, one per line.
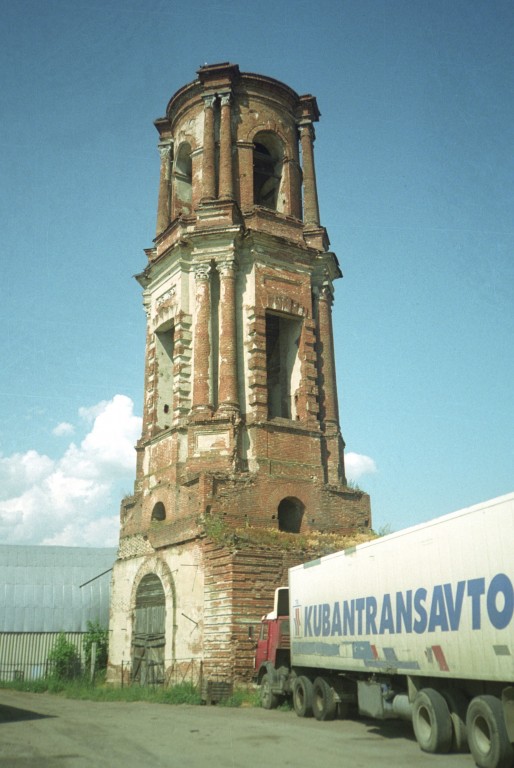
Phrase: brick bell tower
pixel 241 437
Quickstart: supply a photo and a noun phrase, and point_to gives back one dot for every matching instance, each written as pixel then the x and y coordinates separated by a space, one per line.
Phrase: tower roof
pixel 218 78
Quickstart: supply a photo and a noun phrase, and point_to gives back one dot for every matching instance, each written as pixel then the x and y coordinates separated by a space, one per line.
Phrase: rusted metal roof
pixel 54 589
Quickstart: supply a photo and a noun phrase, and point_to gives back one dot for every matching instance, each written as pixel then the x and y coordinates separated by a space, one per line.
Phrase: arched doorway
pixel 149 631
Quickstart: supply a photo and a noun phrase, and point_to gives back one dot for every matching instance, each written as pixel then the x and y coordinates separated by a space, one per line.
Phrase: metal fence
pixel 18 671
pixel 212 683
pixel 24 655
pixel 164 673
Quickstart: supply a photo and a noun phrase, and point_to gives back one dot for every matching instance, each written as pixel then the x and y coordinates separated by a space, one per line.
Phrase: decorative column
pixel 330 410
pixel 149 385
pixel 202 342
pixel 310 192
pixel 163 206
pixel 292 168
pixel 228 395
pixel 208 164
pixel 226 190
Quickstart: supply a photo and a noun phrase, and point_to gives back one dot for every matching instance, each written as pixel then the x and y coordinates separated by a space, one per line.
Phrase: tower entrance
pixel 148 639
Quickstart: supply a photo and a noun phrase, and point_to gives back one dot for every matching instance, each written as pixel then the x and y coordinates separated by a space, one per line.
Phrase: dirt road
pixel 43 731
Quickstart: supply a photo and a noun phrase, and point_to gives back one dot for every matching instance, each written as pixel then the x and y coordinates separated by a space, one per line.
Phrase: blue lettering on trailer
pixel 418 611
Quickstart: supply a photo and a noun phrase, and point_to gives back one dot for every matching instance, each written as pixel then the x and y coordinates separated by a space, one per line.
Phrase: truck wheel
pixel 458 705
pixel 302 696
pixel 269 700
pixel 487 734
pixel 324 705
pixel 431 721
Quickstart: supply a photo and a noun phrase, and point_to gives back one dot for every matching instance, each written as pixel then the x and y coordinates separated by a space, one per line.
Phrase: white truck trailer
pixel 417 624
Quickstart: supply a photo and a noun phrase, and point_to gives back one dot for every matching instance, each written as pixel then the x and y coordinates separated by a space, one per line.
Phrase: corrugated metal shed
pixel 54 589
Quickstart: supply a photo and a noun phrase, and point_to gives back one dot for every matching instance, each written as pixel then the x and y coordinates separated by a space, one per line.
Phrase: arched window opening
pixel 267 171
pixel 159 511
pixel 149 631
pixel 290 515
pixel 183 177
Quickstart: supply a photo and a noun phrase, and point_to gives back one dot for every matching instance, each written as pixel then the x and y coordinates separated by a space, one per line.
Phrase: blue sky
pixel 415 174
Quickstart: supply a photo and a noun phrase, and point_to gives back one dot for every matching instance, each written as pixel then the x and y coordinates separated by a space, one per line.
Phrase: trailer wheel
pixel 431 721
pixel 302 696
pixel 487 734
pixel 458 705
pixel 324 704
pixel 269 700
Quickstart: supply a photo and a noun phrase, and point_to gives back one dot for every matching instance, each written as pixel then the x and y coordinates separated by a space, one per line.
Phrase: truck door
pixel 262 651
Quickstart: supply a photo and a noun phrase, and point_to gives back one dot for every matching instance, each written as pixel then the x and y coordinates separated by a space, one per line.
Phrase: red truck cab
pixel 273 644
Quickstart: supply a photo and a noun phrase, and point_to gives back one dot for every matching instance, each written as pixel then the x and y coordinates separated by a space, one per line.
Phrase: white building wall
pixel 181 572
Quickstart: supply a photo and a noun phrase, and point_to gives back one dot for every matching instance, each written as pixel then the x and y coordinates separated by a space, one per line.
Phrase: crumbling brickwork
pixel 240 418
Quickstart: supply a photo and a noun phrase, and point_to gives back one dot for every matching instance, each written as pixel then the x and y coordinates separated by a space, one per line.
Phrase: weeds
pixel 311 543
pixel 242 697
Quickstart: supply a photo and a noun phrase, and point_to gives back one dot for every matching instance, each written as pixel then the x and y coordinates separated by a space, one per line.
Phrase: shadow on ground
pixel 13 714
pixel 390 729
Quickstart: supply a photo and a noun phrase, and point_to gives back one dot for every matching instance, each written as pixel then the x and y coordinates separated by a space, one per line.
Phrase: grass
pixel 182 693
pixel 242 697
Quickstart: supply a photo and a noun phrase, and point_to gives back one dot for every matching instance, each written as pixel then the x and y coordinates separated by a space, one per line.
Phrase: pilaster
pixel 164 202
pixel 208 160
pixel 228 390
pixel 202 400
pixel 226 191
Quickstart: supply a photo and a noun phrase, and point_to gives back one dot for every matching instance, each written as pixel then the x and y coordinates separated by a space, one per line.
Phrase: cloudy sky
pixel 415 173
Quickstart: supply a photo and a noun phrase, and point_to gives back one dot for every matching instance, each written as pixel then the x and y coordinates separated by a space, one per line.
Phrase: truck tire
pixel 269 700
pixel 458 705
pixel 487 734
pixel 324 704
pixel 302 696
pixel 431 721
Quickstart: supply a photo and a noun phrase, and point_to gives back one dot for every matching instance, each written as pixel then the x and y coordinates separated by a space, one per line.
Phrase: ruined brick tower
pixel 241 428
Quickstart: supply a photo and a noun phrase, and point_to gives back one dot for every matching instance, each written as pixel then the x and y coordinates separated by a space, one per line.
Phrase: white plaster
pixel 182 446
pixel 181 572
pixel 218 441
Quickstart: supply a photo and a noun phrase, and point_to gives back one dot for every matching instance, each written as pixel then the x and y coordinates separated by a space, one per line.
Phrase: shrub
pixel 64 658
pixel 96 634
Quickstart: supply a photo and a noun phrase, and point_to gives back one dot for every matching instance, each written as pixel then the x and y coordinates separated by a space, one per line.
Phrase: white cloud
pixel 114 433
pixel 73 500
pixel 357 465
pixel 63 429
pixel 21 470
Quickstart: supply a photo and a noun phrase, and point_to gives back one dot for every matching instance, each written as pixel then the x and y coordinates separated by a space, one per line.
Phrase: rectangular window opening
pixel 282 364
pixel 164 352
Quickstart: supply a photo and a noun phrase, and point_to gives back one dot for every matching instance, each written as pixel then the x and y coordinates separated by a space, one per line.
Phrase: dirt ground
pixel 44 731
